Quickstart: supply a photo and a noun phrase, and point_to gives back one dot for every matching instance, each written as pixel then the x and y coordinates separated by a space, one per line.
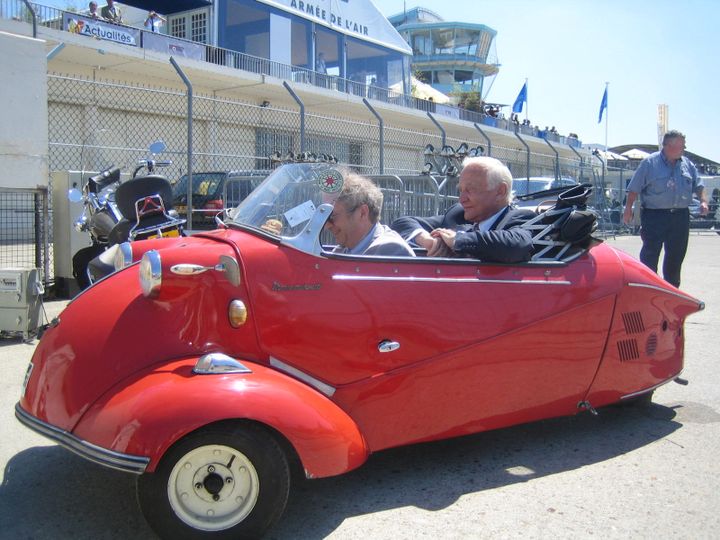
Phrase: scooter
pixel 116 212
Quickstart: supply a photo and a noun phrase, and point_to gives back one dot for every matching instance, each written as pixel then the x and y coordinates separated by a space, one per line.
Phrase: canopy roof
pixel 166 6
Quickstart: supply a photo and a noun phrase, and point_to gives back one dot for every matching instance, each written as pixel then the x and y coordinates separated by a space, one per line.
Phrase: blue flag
pixel 522 98
pixel 603 105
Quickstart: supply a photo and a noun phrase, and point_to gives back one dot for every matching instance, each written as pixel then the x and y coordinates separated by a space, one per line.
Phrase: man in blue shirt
pixel 665 182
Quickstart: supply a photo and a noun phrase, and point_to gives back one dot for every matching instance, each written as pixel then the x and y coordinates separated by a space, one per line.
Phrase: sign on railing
pixel 77 24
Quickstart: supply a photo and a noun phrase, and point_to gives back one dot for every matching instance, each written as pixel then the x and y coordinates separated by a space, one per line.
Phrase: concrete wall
pixel 23 112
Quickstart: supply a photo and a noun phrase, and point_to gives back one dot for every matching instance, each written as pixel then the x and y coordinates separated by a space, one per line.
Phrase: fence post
pixel 557 159
pixel 382 135
pixel 188 84
pixel 442 131
pixel 487 139
pixel 527 151
pixel 302 115
pixel 29 7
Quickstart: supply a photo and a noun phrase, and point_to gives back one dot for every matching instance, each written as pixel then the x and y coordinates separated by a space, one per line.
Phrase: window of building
pixel 327 44
pixel 192 25
pixel 244 28
pixel 421 43
pixel 466 42
pixel 442 40
pixel 373 65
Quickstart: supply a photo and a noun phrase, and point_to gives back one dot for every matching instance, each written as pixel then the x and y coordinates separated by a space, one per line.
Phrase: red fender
pixel 146 414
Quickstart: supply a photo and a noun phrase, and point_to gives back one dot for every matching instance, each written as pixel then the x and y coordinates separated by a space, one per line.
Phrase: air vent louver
pixel 651 345
pixel 628 350
pixel 633 322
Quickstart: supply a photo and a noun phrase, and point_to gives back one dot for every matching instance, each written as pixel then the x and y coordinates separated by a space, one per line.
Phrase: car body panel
pixel 145 413
pixel 348 354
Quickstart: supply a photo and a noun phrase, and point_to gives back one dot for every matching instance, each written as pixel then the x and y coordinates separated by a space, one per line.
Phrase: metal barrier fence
pixel 26 230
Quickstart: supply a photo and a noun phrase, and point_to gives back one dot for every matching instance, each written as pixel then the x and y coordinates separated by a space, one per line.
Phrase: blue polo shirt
pixel 663 185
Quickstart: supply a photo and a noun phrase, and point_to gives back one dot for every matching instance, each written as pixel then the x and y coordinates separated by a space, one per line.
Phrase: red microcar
pixel 214 363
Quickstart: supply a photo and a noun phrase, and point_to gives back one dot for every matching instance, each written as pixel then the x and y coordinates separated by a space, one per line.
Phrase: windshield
pixel 287 199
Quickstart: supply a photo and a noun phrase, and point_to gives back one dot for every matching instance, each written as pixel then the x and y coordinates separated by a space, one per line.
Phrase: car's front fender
pixel 146 414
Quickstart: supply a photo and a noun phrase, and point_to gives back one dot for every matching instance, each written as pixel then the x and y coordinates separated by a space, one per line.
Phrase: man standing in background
pixel 665 181
pixel 111 13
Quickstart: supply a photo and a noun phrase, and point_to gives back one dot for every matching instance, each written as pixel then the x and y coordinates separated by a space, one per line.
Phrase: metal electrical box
pixel 67 241
pixel 21 294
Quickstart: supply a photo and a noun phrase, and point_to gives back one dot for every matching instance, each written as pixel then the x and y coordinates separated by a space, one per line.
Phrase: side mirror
pixel 158 147
pixel 74 195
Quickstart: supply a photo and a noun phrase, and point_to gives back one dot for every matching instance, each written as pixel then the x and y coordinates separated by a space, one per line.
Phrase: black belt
pixel 665 210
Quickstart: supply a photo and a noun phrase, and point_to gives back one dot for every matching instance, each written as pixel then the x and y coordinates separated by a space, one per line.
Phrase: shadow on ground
pixel 50 492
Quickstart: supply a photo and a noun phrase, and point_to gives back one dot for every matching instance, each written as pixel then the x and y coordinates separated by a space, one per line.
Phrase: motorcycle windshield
pixel 284 202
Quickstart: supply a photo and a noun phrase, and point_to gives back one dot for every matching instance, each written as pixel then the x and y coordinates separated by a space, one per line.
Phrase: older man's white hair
pixel 496 172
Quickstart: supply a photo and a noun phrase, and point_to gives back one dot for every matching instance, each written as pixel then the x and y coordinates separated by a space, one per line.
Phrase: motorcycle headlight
pixel 150 274
pixel 123 256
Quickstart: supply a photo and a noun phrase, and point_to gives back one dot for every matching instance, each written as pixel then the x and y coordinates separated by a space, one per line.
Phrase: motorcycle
pixel 116 212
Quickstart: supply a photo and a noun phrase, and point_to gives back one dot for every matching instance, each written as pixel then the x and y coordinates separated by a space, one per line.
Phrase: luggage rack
pixel 563 232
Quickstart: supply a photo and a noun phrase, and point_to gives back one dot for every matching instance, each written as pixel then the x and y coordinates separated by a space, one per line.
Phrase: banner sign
pixel 352 17
pixel 172 46
pixel 77 24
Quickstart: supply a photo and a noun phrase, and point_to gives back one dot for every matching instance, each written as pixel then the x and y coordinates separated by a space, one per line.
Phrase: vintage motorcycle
pixel 116 212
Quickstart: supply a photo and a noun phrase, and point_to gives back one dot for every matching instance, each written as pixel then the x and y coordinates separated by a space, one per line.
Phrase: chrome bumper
pixel 102 456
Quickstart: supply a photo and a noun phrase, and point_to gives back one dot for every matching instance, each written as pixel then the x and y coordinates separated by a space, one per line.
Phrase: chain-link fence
pixel 26 230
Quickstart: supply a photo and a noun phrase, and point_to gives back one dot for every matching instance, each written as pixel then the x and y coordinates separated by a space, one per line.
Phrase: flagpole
pixel 607 113
pixel 527 103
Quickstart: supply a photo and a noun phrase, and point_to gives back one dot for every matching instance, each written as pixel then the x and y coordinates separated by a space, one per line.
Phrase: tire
pixel 225 481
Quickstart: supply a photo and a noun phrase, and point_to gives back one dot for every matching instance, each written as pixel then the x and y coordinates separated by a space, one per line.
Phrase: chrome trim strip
pixel 312 381
pixel 91 452
pixel 667 291
pixel 646 390
pixel 345 277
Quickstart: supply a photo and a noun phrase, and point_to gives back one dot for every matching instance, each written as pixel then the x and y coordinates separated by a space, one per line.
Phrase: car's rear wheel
pixel 219 482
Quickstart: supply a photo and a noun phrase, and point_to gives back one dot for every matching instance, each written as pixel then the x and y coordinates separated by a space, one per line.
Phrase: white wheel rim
pixel 213 487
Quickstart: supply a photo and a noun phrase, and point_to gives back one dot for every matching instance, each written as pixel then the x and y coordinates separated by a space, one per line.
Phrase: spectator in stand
pixel 154 21
pixel 320 66
pixel 92 11
pixel 111 13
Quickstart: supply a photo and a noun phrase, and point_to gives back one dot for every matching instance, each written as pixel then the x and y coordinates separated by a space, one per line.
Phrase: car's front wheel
pixel 220 482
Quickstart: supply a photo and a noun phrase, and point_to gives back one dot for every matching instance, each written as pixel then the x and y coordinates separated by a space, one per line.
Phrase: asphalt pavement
pixel 627 473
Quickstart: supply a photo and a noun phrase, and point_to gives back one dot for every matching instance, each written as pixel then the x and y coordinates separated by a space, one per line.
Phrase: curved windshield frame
pixel 288 200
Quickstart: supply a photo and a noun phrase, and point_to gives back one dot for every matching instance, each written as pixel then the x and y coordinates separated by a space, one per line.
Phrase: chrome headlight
pixel 150 274
pixel 123 256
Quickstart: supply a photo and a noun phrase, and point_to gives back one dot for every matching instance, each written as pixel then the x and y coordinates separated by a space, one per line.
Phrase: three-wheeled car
pixel 208 365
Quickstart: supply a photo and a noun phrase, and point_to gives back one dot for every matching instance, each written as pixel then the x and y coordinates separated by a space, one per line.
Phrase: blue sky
pixel 650 51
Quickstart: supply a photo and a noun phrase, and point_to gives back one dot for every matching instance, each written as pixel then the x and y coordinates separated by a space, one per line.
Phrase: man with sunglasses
pixel 355 221
pixel 482 225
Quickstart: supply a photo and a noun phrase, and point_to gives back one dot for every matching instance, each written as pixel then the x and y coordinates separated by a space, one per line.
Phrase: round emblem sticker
pixel 330 181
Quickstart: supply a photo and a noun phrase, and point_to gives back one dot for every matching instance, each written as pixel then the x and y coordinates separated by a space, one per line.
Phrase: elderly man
pixel 482 225
pixel 666 181
pixel 111 12
pixel 355 221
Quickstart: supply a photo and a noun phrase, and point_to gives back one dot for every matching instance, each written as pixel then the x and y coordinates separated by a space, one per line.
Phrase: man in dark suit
pixel 483 225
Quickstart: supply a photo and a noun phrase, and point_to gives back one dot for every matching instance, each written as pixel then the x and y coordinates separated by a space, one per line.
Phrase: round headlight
pixel 150 274
pixel 123 256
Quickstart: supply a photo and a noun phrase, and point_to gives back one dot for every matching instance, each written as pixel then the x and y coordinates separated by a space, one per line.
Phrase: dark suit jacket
pixel 452 219
pixel 504 242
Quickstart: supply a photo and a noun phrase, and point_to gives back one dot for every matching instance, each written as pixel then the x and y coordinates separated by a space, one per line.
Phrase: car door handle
pixel 388 346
